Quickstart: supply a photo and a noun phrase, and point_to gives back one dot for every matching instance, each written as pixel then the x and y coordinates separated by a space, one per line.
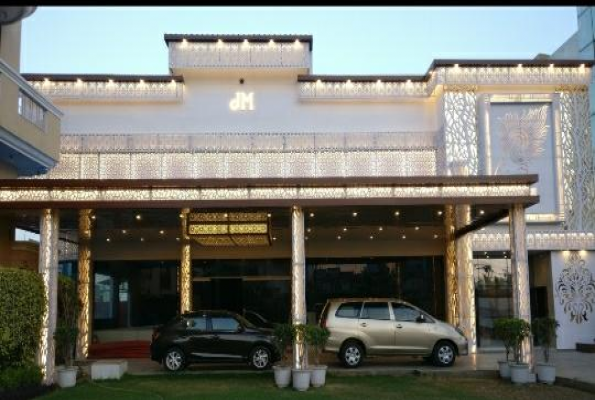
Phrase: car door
pixel 198 337
pixel 376 327
pixel 411 335
pixel 228 340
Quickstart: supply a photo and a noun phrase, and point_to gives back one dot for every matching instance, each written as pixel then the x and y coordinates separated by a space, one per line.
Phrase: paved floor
pixel 570 364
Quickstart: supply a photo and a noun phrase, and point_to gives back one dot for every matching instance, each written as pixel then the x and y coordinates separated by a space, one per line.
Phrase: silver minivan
pixel 383 326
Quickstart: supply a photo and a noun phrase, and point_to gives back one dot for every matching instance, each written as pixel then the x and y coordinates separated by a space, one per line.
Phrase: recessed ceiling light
pixel 309 230
pixel 306 238
pixel 124 231
pixel 93 217
pixel 161 232
pixel 435 236
pixel 397 213
pixel 138 217
pixel 487 256
pixel 481 212
pixel 181 215
pixel 354 214
pixel 339 237
pixel 404 237
pixel 311 215
pixel 269 215
pixel 108 240
pixel 344 229
pixel 274 237
pixel 178 239
pixel 380 228
pixel 417 228
pixel 439 212
pixel 371 237
pixel 142 239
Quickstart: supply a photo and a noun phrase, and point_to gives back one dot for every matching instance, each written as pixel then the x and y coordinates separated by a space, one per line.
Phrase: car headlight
pixel 460 332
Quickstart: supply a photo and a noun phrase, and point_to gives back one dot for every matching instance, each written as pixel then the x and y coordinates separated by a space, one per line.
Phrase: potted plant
pixel 66 331
pixel 283 334
pixel 317 336
pixel 502 332
pixel 544 330
pixel 519 331
pixel 300 376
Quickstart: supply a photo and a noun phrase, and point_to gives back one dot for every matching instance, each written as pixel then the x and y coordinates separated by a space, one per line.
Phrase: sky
pixel 347 40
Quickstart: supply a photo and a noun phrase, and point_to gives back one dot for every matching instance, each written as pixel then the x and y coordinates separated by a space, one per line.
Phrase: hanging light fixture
pixel 230 229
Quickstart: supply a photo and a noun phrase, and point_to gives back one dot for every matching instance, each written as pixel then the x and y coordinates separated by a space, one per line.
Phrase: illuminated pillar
pixel 465 278
pixel 48 268
pixel 84 286
pixel 521 305
pixel 298 285
pixel 450 267
pixel 185 265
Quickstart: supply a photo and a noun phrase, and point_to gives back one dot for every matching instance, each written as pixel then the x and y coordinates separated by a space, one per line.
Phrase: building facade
pixel 241 180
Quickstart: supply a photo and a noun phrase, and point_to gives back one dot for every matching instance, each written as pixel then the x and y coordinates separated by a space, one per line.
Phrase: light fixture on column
pixel 230 229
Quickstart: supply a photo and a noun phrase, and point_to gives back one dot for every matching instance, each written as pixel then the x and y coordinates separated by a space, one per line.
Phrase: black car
pixel 219 336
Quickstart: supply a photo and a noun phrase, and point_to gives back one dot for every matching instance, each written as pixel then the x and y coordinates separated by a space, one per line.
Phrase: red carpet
pixel 127 349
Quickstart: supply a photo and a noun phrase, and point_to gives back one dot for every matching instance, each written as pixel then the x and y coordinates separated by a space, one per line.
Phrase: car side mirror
pixel 421 318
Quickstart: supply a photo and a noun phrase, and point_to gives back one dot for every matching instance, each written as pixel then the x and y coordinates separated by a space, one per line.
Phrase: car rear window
pixel 349 310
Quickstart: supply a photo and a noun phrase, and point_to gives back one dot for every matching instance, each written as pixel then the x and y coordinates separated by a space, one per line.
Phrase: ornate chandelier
pixel 230 229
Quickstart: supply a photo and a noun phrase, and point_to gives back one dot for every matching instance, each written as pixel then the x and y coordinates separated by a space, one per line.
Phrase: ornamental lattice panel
pixel 577 158
pixel 460 130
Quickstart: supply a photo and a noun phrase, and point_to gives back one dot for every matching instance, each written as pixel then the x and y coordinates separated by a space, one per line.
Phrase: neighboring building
pixel 29 132
pixel 581 45
pixel 241 178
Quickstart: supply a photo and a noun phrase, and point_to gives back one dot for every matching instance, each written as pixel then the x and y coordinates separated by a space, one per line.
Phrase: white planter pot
pixel 301 379
pixel 546 373
pixel 519 373
pixel 318 377
pixel 66 376
pixel 282 375
pixel 504 368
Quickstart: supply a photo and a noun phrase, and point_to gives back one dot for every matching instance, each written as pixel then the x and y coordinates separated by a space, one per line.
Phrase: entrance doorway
pixel 227 295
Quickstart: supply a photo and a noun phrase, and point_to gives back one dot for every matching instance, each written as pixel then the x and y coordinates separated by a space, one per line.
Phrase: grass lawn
pixel 261 386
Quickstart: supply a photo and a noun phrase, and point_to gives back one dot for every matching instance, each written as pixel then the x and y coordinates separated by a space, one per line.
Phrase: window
pixel 348 310
pixel 31 111
pixel 197 324
pixel 223 323
pixel 405 313
pixel 376 311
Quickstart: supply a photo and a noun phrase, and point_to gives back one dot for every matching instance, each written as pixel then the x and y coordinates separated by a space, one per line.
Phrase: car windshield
pixel 245 322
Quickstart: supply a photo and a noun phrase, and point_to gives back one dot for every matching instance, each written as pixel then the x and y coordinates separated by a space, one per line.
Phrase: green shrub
pixel 317 336
pixel 283 337
pixel 66 325
pixel 512 331
pixel 544 329
pixel 22 304
pixel 22 376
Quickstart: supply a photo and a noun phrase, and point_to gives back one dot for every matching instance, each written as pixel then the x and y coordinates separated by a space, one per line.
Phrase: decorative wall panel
pixel 239 55
pixel 577 159
pixel 460 130
pixel 573 280
pixel 537 240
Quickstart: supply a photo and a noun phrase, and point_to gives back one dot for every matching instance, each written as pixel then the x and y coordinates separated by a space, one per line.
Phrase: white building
pixel 373 185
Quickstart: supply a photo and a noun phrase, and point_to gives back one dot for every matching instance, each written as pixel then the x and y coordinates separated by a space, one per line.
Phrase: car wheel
pixel 444 354
pixel 260 358
pixel 174 360
pixel 352 354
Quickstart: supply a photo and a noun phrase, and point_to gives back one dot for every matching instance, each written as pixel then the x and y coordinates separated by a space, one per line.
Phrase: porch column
pixel 48 268
pixel 465 279
pixel 298 284
pixel 185 265
pixel 521 306
pixel 84 286
pixel 450 267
